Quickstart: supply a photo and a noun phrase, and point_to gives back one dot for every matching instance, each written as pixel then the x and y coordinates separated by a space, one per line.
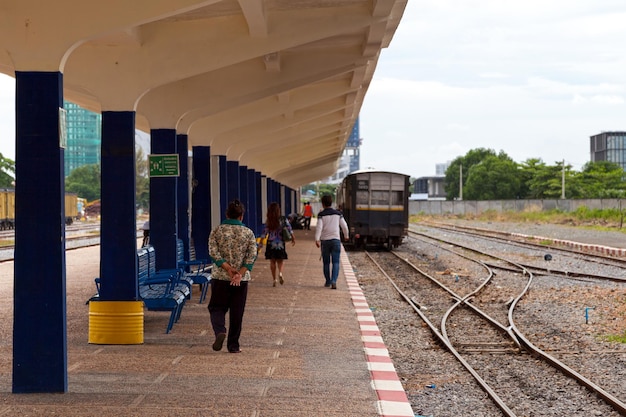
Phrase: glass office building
pixel 83 135
pixel 609 146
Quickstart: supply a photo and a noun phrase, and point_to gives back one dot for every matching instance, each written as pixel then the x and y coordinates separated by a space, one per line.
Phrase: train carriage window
pixel 397 198
pixel 362 198
pixel 380 198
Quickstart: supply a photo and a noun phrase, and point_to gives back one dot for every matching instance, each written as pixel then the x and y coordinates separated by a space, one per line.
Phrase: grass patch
pixel 616 338
pixel 607 219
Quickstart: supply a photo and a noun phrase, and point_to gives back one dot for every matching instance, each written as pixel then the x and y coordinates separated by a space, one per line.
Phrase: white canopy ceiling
pixel 274 84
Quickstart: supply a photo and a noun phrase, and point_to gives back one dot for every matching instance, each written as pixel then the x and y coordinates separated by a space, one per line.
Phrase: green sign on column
pixel 164 165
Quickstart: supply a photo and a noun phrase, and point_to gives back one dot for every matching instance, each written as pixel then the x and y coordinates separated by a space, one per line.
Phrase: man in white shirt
pixel 327 236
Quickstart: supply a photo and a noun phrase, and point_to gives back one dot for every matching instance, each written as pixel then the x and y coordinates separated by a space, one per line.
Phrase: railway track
pixel 449 301
pixel 540 244
pixel 539 258
pixel 76 236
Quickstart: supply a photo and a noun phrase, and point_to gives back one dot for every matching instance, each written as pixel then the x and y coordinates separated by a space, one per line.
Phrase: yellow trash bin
pixel 116 322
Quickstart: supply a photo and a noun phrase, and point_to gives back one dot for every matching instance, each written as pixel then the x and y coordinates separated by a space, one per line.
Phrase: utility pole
pixel 461 182
pixel 563 181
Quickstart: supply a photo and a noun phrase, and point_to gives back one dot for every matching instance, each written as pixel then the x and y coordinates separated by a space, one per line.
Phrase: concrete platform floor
pixel 303 354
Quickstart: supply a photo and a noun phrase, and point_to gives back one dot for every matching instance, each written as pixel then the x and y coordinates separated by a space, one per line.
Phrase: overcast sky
pixel 532 78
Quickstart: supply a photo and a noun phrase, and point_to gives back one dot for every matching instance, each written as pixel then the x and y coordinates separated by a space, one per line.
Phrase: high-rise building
pixel 350 160
pixel 83 129
pixel 440 169
pixel 353 147
pixel 609 146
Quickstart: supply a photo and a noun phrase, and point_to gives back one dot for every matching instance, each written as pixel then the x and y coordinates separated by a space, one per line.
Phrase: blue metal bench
pixel 197 271
pixel 159 291
pixel 179 280
pixel 200 270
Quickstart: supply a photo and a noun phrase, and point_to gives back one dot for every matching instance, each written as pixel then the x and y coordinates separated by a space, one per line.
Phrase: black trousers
pixel 226 298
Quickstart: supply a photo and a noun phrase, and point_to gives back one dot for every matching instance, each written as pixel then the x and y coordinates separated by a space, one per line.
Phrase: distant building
pixel 353 148
pixel 429 188
pixel 350 160
pixel 609 146
pixel 440 169
pixel 83 137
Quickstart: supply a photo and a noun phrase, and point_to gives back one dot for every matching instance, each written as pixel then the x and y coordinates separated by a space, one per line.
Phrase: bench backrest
pixel 142 265
pixel 151 258
pixel 180 251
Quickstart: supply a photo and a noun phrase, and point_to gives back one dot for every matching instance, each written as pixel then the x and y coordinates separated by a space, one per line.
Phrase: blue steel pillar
pixel 275 195
pixel 183 193
pixel 118 235
pixel 243 191
pixel 201 201
pixel 163 223
pixel 234 190
pixel 288 199
pixel 223 172
pixel 263 198
pixel 271 191
pixel 251 208
pixel 39 313
pixel 259 204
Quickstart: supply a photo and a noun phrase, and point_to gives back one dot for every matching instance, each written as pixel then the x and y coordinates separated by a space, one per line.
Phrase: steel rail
pixel 610 399
pixel 507 237
pixel 492 394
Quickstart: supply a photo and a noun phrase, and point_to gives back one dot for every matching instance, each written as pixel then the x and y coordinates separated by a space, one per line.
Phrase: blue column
pixel 183 193
pixel 243 190
pixel 163 223
pixel 288 208
pixel 118 228
pixel 243 185
pixel 234 190
pixel 251 208
pixel 271 191
pixel 258 179
pixel 39 314
pixel 223 170
pixel 201 200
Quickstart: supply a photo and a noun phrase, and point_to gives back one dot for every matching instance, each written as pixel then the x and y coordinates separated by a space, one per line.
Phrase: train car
pixel 7 208
pixel 71 208
pixel 375 205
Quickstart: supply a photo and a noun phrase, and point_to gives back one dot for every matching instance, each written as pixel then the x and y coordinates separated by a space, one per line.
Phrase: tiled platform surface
pixel 307 351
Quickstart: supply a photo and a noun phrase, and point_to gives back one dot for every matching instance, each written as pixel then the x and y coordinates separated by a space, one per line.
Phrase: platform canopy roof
pixel 274 84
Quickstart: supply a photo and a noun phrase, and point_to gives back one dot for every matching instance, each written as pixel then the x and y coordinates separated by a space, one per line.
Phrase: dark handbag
pixel 285 234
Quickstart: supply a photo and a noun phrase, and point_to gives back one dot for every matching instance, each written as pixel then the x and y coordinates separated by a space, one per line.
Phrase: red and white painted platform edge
pixel 605 250
pixel 392 399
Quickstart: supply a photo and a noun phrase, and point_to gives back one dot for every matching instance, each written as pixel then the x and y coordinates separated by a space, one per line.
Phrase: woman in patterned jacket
pixel 233 249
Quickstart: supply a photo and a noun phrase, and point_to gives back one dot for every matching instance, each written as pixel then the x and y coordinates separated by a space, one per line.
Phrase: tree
pixel 85 181
pixel 453 173
pixel 412 185
pixel 547 181
pixel 327 189
pixel 7 172
pixel 528 171
pixel 494 178
pixel 142 180
pixel 318 189
pixel 601 179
